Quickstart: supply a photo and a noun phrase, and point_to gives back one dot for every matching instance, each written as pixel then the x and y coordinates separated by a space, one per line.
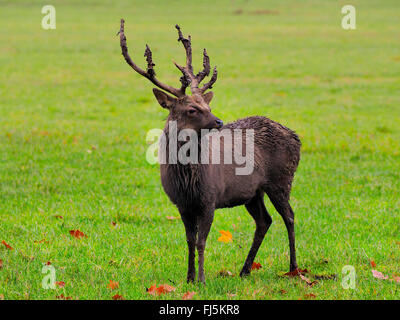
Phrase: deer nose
pixel 219 123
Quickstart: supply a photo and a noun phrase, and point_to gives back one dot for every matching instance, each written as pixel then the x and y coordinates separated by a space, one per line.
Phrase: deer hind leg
pixel 263 220
pixel 280 200
pixel 204 222
pixel 191 233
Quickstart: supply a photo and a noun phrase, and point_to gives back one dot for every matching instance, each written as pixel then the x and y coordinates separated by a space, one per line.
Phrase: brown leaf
pixel 118 297
pixel 308 281
pixel 373 264
pixel 7 245
pixel 188 295
pixel 62 297
pixel 113 223
pixel 256 266
pixel 77 234
pixel 283 291
pixel 296 272
pixel 1 263
pixel 113 285
pixel 379 275
pixel 60 284
pixel 310 296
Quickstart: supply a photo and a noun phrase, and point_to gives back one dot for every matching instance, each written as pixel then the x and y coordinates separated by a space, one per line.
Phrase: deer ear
pixel 165 100
pixel 208 97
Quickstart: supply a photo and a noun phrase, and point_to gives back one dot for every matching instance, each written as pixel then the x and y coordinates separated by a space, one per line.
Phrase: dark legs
pixel 281 204
pixel 191 232
pixel 263 220
pixel 197 226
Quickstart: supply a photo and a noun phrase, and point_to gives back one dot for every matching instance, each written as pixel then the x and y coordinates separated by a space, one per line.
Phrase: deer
pixel 198 189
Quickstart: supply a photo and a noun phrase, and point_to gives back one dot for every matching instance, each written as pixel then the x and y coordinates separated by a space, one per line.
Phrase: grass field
pixel 74 118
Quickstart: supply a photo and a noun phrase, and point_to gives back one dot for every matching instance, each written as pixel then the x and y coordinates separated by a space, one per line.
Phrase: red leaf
pixel 256 266
pixel 188 295
pixel 7 245
pixel 1 263
pixel 60 284
pixel 152 290
pixel 48 263
pixel 296 272
pixel 59 217
pixel 373 264
pixel 379 275
pixel 77 234
pixel 113 285
pixel 118 297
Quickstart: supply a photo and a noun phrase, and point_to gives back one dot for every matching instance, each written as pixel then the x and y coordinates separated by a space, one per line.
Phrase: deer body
pixel 198 189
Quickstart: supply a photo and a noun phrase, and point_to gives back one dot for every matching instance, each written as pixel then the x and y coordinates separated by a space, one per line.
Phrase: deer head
pixel 189 111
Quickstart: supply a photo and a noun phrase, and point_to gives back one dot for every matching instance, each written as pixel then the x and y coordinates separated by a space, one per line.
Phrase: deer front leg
pixel 204 222
pixel 191 231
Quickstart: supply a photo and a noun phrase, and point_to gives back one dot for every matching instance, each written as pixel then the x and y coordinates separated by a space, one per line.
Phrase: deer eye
pixel 192 111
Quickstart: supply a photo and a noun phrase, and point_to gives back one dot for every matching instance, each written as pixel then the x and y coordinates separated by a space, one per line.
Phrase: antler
pixel 188 77
pixel 149 73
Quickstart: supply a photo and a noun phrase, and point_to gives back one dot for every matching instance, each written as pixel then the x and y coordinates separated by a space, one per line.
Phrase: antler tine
pixel 187 43
pixel 150 73
pixel 209 84
pixel 206 65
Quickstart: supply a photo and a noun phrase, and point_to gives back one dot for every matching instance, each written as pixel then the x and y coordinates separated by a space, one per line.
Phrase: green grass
pixel 74 118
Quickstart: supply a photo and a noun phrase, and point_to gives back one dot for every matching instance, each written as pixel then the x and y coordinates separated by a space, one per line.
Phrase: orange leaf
pixel 113 285
pixel 225 237
pixel 296 272
pixel 379 275
pixel 118 297
pixel 152 290
pixel 7 245
pixel 256 266
pixel 77 234
pixel 373 264
pixel 164 288
pixel 61 284
pixel 188 295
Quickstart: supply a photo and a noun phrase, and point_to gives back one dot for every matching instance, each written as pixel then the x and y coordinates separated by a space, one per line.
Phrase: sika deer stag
pixel 197 189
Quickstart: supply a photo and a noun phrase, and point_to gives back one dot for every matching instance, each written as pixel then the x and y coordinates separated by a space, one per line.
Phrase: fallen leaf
pixel 164 288
pixel 396 278
pixel 283 291
pixel 310 295
pixel 152 290
pixel 118 297
pixel 373 264
pixel 7 245
pixel 225 273
pixel 62 297
pixel 172 218
pixel 60 284
pixel 308 281
pixel 58 217
pixel 113 223
pixel 77 234
pixel 188 295
pixel 379 275
pixel 113 285
pixel 48 263
pixel 296 272
pixel 256 266
pixel 225 237
pixel 1 263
